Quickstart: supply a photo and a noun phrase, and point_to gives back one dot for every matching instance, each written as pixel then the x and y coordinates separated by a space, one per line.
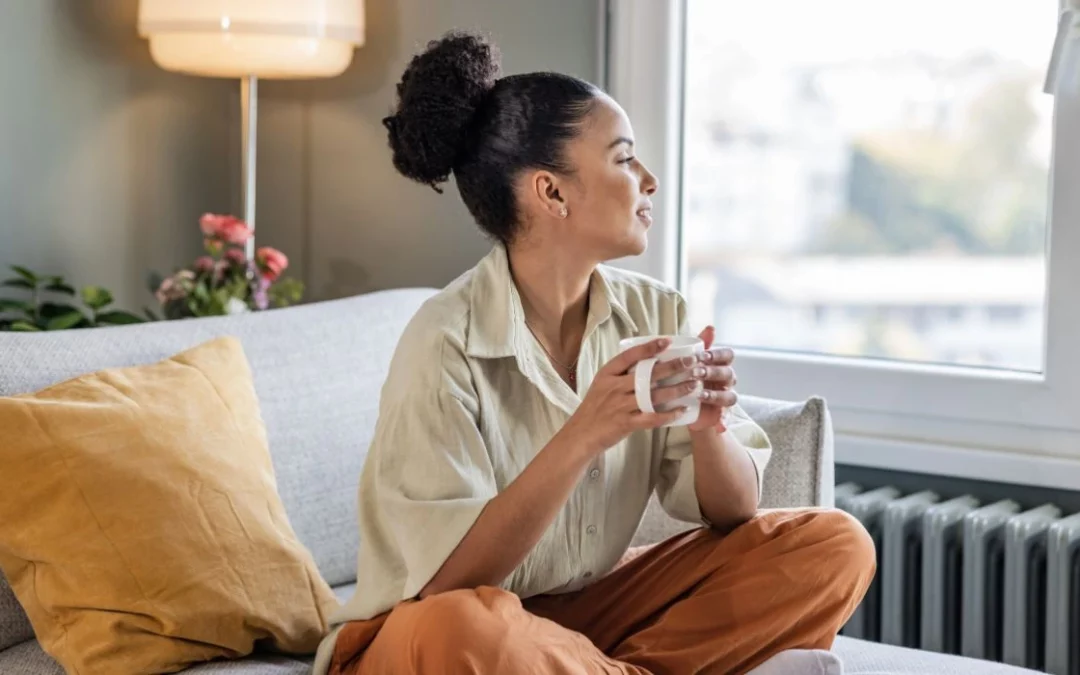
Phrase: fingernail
pixel 663 343
pixel 699 371
pixel 706 356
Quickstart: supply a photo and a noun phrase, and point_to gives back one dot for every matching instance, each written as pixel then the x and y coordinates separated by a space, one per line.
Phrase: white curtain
pixel 1063 75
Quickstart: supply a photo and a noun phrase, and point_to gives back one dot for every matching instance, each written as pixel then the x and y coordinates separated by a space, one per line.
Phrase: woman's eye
pixel 626 160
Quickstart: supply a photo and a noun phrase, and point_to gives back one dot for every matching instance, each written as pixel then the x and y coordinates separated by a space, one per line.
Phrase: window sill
pixel 957 461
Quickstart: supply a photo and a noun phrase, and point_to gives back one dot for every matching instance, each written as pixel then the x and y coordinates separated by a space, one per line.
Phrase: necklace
pixel 570 369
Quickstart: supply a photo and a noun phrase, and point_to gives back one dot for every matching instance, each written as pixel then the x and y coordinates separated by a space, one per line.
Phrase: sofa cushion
pixel 872 658
pixel 344 592
pixel 29 659
pixel 859 657
pixel 140 524
pixel 318 370
pixel 14 626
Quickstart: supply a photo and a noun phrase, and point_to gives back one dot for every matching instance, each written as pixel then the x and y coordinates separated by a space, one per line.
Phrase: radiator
pixel 990 581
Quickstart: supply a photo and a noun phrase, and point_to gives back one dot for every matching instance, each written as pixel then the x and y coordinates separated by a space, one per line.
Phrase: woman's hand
pixel 715 371
pixel 609 413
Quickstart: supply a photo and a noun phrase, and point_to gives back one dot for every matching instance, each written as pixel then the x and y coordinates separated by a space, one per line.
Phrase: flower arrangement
pixel 224 281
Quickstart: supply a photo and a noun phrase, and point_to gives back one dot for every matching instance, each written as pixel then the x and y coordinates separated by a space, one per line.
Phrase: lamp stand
pixel 249 115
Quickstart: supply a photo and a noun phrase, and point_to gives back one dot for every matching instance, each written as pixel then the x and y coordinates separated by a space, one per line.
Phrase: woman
pixel 511 466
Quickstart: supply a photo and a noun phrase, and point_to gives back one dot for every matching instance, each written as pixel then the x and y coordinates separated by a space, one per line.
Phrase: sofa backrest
pixel 318 372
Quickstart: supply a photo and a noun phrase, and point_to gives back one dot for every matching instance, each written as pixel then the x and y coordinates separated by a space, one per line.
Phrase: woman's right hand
pixel 609 412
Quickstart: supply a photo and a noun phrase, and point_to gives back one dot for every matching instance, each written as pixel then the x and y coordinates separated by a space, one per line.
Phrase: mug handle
pixel 643 384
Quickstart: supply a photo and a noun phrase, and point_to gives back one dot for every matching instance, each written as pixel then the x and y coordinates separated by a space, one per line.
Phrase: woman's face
pixel 607 196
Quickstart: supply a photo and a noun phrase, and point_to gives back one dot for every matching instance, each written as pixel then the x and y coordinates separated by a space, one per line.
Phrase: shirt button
pixel 587 575
pixel 594 474
pixel 591 529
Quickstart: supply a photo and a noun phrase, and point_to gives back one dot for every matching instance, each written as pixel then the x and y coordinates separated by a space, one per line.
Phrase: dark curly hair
pixel 455 115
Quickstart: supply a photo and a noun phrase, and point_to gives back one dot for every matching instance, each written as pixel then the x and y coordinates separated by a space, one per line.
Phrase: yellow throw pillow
pixel 140 524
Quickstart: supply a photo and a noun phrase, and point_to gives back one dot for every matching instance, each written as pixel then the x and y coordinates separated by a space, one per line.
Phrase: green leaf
pixel 51 310
pixel 60 287
pixel 8 305
pixel 200 293
pixel 65 321
pixel 24 327
pixel 96 297
pixel 118 318
pixel 18 283
pixel 286 292
pixel 25 273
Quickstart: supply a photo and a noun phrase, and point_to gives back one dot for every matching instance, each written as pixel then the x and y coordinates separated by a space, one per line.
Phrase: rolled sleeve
pixel 753 439
pixel 435 477
pixel 675 486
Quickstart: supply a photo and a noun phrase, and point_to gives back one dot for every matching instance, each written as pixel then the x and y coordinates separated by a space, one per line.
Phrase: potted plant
pixel 46 304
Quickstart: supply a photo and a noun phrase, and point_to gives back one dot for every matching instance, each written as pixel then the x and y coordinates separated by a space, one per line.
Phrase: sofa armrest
pixel 800 472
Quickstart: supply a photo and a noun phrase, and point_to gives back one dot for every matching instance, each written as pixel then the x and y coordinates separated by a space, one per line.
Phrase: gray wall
pixel 107 161
pixel 328 190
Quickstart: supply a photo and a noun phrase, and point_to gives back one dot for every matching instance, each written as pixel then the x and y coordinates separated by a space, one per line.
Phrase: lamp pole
pixel 249 115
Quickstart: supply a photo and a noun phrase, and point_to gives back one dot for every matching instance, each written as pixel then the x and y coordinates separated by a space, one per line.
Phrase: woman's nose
pixel 650 183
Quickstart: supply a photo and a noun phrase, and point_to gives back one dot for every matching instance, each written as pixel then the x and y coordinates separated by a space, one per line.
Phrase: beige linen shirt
pixel 470 399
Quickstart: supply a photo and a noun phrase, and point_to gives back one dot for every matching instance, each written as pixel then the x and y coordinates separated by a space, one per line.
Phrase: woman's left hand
pixel 714 369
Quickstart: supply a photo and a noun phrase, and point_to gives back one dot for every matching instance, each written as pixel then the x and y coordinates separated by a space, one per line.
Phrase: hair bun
pixel 438 98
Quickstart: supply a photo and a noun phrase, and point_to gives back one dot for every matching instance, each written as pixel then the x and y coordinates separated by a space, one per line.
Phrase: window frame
pixel 1021 416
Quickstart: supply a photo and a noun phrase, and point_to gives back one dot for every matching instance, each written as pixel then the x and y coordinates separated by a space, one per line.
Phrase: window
pixel 891 171
pixel 873 206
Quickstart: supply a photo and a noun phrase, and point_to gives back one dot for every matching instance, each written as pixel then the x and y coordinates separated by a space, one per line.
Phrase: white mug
pixel 680 346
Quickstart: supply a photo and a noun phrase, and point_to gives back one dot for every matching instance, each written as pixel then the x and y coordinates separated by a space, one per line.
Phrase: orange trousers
pixel 699 602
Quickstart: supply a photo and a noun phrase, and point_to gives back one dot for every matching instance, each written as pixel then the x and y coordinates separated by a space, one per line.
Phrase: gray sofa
pixel 318 370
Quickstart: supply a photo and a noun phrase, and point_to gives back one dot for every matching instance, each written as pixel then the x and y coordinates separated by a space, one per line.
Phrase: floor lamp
pixel 252 39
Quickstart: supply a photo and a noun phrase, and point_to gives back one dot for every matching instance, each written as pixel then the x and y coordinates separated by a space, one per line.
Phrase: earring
pixel 562 211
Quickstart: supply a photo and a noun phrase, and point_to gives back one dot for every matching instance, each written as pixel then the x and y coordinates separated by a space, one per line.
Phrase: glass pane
pixel 866 178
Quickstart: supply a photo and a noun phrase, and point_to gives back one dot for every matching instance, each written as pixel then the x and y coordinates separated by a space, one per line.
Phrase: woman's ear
pixel 544 187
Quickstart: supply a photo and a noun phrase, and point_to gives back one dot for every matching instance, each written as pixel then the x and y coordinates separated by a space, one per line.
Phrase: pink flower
pixel 228 229
pixel 204 264
pixel 235 256
pixel 272 262
pixel 234 231
pixel 165 291
pixel 172 288
pixel 209 223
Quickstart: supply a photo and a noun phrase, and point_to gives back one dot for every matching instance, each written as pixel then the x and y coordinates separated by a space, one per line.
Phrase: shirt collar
pixel 497 318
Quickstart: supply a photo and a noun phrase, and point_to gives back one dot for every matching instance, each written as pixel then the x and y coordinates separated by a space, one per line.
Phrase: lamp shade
pixel 279 39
